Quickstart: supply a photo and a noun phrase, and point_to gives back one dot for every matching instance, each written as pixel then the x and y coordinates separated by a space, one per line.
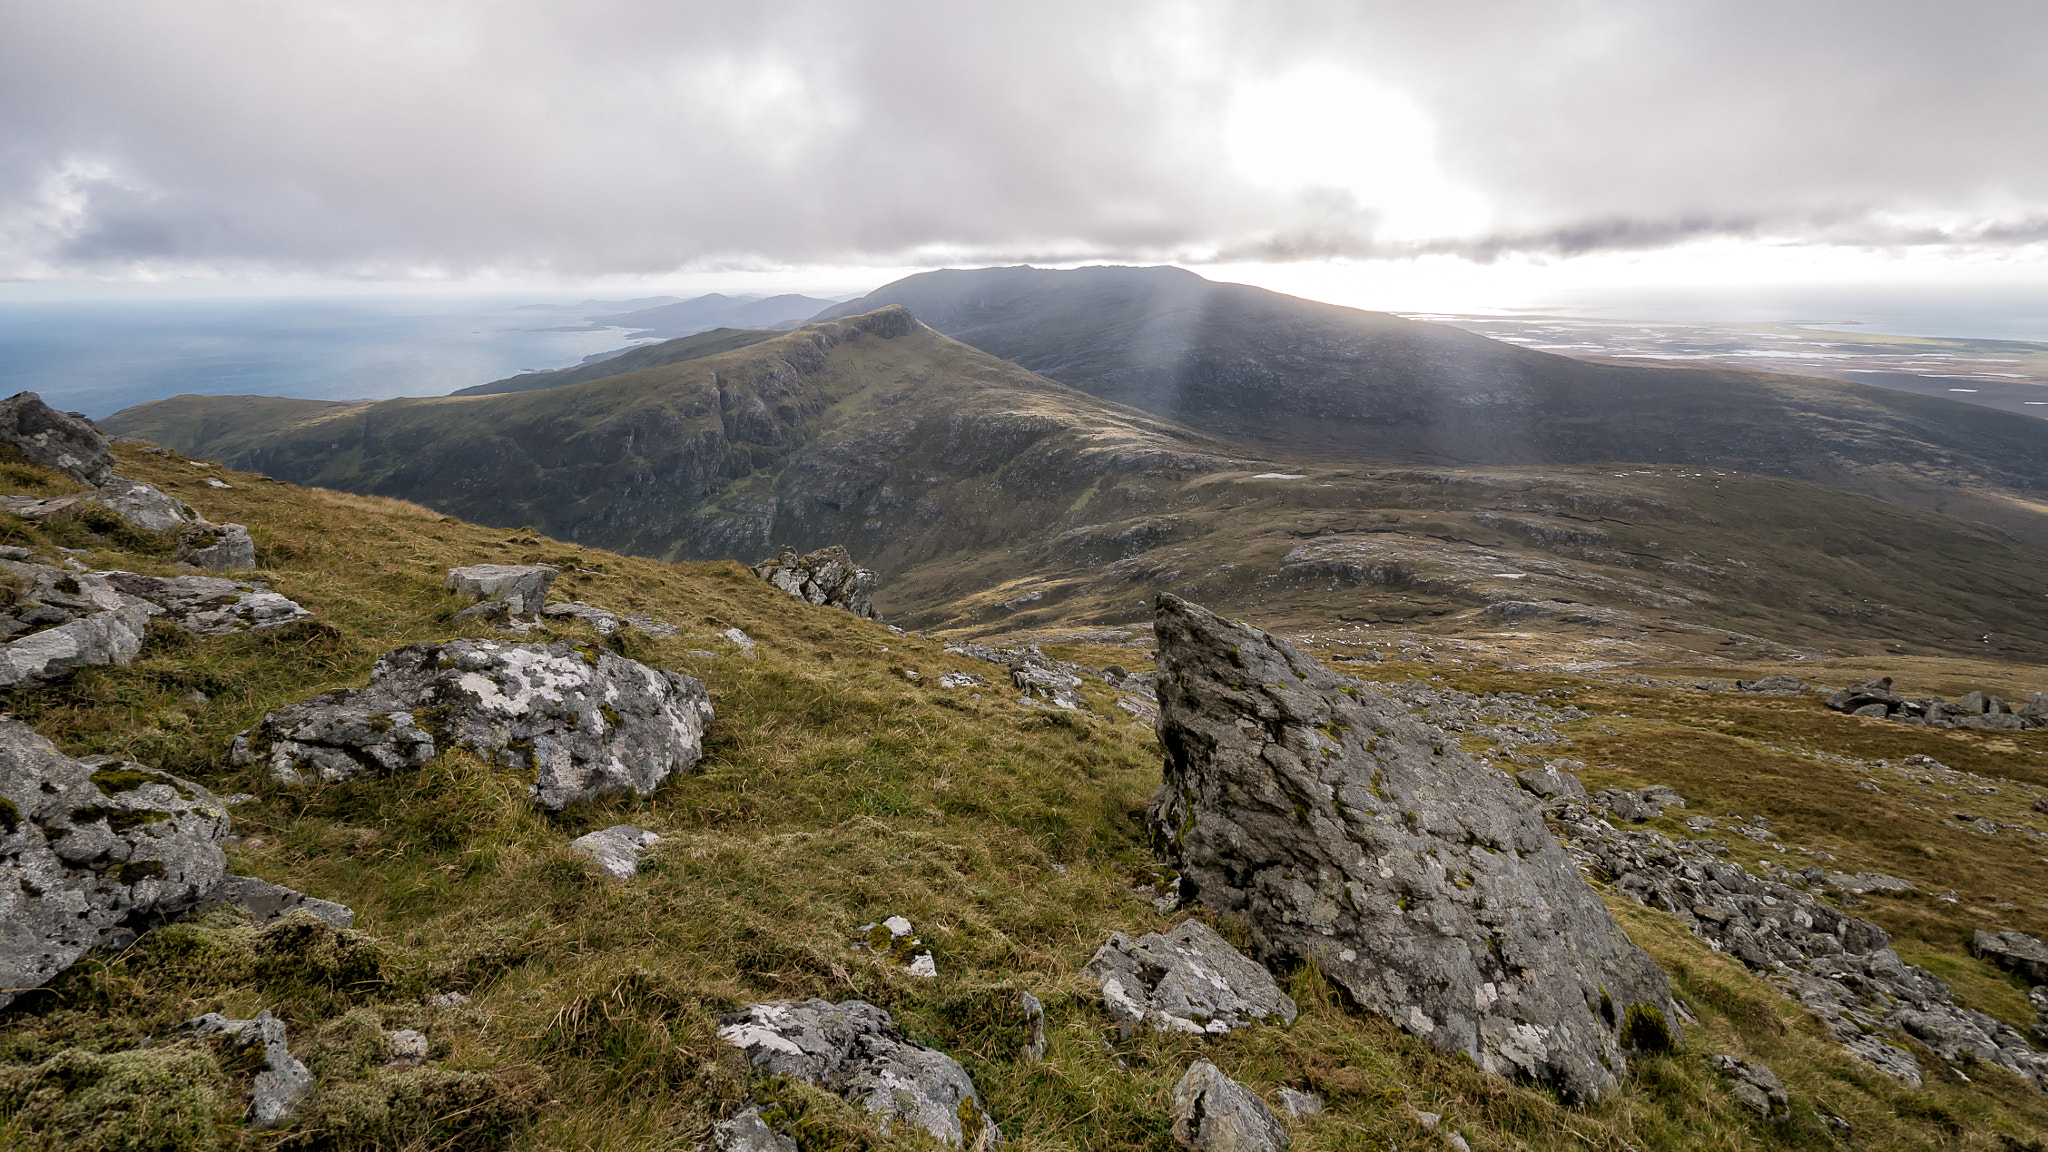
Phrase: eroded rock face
pixel 1422 882
pixel 62 621
pixel 521 587
pixel 854 1050
pixel 2016 952
pixel 92 847
pixel 827 577
pixel 585 720
pixel 211 605
pixel 1213 1113
pixel 1188 980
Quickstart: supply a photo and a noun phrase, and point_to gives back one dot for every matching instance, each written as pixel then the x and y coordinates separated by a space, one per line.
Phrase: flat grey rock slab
pixel 604 622
pixel 212 605
pixel 616 849
pixel 1213 1113
pixel 264 901
pixel 62 621
pixel 855 1051
pixel 586 721
pixel 522 587
pixel 2016 952
pixel 1422 882
pixel 1551 782
pixel 1187 980
pixel 91 847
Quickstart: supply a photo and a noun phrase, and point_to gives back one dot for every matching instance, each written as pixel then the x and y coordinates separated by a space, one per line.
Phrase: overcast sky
pixel 526 142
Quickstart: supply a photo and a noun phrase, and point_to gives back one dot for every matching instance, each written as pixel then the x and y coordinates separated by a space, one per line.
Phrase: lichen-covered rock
pixel 2016 952
pixel 1188 980
pixel 284 1080
pixel 616 849
pixel 586 721
pixel 264 901
pixel 1756 1086
pixel 90 847
pixel 827 577
pixel 211 605
pixel 522 587
pixel 896 940
pixel 747 1132
pixel 217 547
pixel 62 621
pixel 1213 1113
pixel 1422 882
pixel 854 1050
pixel 62 441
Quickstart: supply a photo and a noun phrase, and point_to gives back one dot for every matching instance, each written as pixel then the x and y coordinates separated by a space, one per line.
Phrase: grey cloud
pixel 380 138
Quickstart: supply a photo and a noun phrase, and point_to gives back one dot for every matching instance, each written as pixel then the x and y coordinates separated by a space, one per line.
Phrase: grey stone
pixel 55 440
pixel 586 721
pixel 408 1046
pixel 828 578
pixel 1034 1023
pixel 1300 1104
pixel 653 627
pixel 1975 702
pixel 282 1083
pixel 217 547
pixel 1874 710
pixel 2016 952
pixel 147 508
pixel 896 939
pixel 1639 805
pixel 265 901
pixel 1838 966
pixel 1213 1113
pixel 1775 685
pixel 1863 695
pixel 1188 980
pixel 616 849
pixel 1756 1086
pixel 747 1132
pixel 523 587
pixel 854 1050
pixel 211 605
pixel 742 641
pixel 1551 783
pixel 1061 689
pixel 1348 833
pixel 960 680
pixel 604 622
pixel 89 848
pixel 2036 708
pixel 1863 882
pixel 62 621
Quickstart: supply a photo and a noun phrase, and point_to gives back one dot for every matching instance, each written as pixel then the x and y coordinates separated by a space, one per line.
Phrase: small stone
pixel 264 901
pixel 447 1000
pixel 742 641
pixel 827 577
pixel 653 627
pixel 1429 1120
pixel 923 966
pixel 1300 1104
pixel 284 1081
pixel 616 849
pixel 195 699
pixel 747 1132
pixel 407 1046
pixel 217 482
pixel 1034 1021
pixel 2016 952
pixel 1213 1113
pixel 960 680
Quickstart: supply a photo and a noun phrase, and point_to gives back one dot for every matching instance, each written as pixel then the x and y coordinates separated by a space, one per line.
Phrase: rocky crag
pixel 1422 882
pixel 827 577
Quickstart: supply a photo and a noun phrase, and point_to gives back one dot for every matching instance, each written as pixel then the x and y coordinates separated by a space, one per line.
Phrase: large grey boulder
pixel 1551 782
pixel 283 1081
pixel 1188 980
pixel 89 848
pixel 211 605
pixel 61 441
pixel 2016 952
pixel 1213 1113
pixel 586 721
pixel 1422 882
pixel 828 578
pixel 521 587
pixel 854 1050
pixel 1858 696
pixel 62 621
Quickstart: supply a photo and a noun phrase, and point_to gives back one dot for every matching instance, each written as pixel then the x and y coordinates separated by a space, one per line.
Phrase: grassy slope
pixel 835 791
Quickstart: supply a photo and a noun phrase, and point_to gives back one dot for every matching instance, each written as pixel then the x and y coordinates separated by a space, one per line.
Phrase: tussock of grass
pixel 834 791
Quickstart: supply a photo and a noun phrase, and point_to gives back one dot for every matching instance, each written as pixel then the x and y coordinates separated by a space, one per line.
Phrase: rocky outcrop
pixel 283 1081
pixel 1975 709
pixel 1421 882
pixel 211 605
pixel 1839 966
pixel 1213 1113
pixel 217 547
pixel 1039 678
pixel 61 441
pixel 1553 781
pixel 616 850
pixel 1188 980
pixel 1756 1086
pixel 854 1050
pixel 521 588
pixel 585 721
pixel 2016 952
pixel 90 848
pixel 1638 805
pixel 827 577
pixel 61 621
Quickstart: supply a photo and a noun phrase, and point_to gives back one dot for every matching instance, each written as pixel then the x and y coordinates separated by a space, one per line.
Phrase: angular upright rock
pixel 586 721
pixel 827 577
pixel 55 440
pixel 1421 881
pixel 1213 1113
pixel 90 847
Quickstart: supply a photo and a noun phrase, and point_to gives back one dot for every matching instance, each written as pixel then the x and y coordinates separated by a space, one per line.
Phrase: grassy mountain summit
pixel 836 791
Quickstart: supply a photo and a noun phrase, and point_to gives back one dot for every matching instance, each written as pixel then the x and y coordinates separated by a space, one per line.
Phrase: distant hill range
pixel 991 497
pixel 686 317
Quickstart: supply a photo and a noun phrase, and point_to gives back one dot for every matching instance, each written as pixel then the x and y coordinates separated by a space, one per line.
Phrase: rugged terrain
pixel 837 791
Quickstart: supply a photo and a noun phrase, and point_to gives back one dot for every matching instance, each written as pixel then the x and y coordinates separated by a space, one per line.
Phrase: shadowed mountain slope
pixel 1346 384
